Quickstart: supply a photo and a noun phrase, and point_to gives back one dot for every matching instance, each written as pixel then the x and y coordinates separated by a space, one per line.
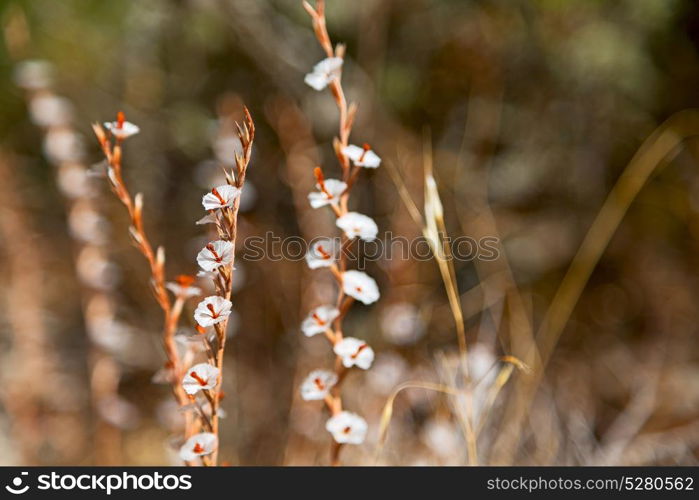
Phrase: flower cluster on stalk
pixel 326 254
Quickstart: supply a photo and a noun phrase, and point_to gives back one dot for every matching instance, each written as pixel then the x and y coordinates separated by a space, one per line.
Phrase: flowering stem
pixel 112 151
pixel 349 176
pixel 227 226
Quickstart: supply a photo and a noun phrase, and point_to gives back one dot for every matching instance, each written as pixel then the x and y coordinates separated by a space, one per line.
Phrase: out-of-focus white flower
pixel 182 286
pixel 121 129
pixel 73 180
pixel 215 254
pixel 49 110
pixel 321 254
pixel 200 377
pixel 34 74
pixel 226 147
pixel 362 157
pixel 443 438
pixel 356 224
pixel 354 352
pixel 347 427
pixel 212 310
pixel 118 411
pixel 361 286
pixel 389 370
pixel 324 72
pixel 63 145
pixel 483 372
pixel 220 197
pixel 199 445
pixel 402 323
pixel 319 320
pixel 87 225
pixel 317 385
pixel 95 270
pixel 328 194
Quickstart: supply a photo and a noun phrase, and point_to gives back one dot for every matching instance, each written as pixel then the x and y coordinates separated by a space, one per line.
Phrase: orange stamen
pixel 214 314
pixel 198 448
pixel 215 192
pixel 185 280
pixel 359 349
pixel 367 148
pixel 120 119
pixel 210 248
pixel 321 181
pixel 319 384
pixel 347 430
pixel 322 252
pixel 196 377
pixel 318 320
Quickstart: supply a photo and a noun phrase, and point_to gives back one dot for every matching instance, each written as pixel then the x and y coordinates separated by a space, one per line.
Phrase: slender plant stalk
pixel 112 150
pixel 350 174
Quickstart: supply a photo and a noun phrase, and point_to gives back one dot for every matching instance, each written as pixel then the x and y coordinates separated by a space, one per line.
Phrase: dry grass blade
pixel 656 150
pixel 387 412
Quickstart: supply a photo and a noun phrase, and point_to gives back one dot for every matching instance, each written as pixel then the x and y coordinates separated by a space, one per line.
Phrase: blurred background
pixel 534 107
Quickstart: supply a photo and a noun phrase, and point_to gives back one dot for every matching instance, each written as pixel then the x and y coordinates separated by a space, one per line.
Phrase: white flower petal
pixel 203 376
pixel 355 224
pixel 362 157
pixel 127 129
pixel 183 291
pixel 220 197
pixel 319 320
pixel 212 310
pixel 328 194
pixel 324 72
pixel 317 385
pixel 316 80
pixel 354 352
pixel 321 254
pixel 198 445
pixel 215 254
pixel 361 286
pixel 347 427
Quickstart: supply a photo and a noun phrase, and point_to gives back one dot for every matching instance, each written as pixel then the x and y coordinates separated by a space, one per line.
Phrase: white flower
pixel 214 255
pixel 219 197
pixel 121 129
pixel 321 254
pixel 48 110
pixel 402 323
pixel 347 428
pixel 200 377
pixel 354 352
pixel 329 193
pixel 34 74
pixel 317 385
pixel 198 445
pixel 182 286
pixel 212 310
pixel 324 72
pixel 319 320
pixel 356 224
pixel 361 286
pixel 63 145
pixel 362 157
